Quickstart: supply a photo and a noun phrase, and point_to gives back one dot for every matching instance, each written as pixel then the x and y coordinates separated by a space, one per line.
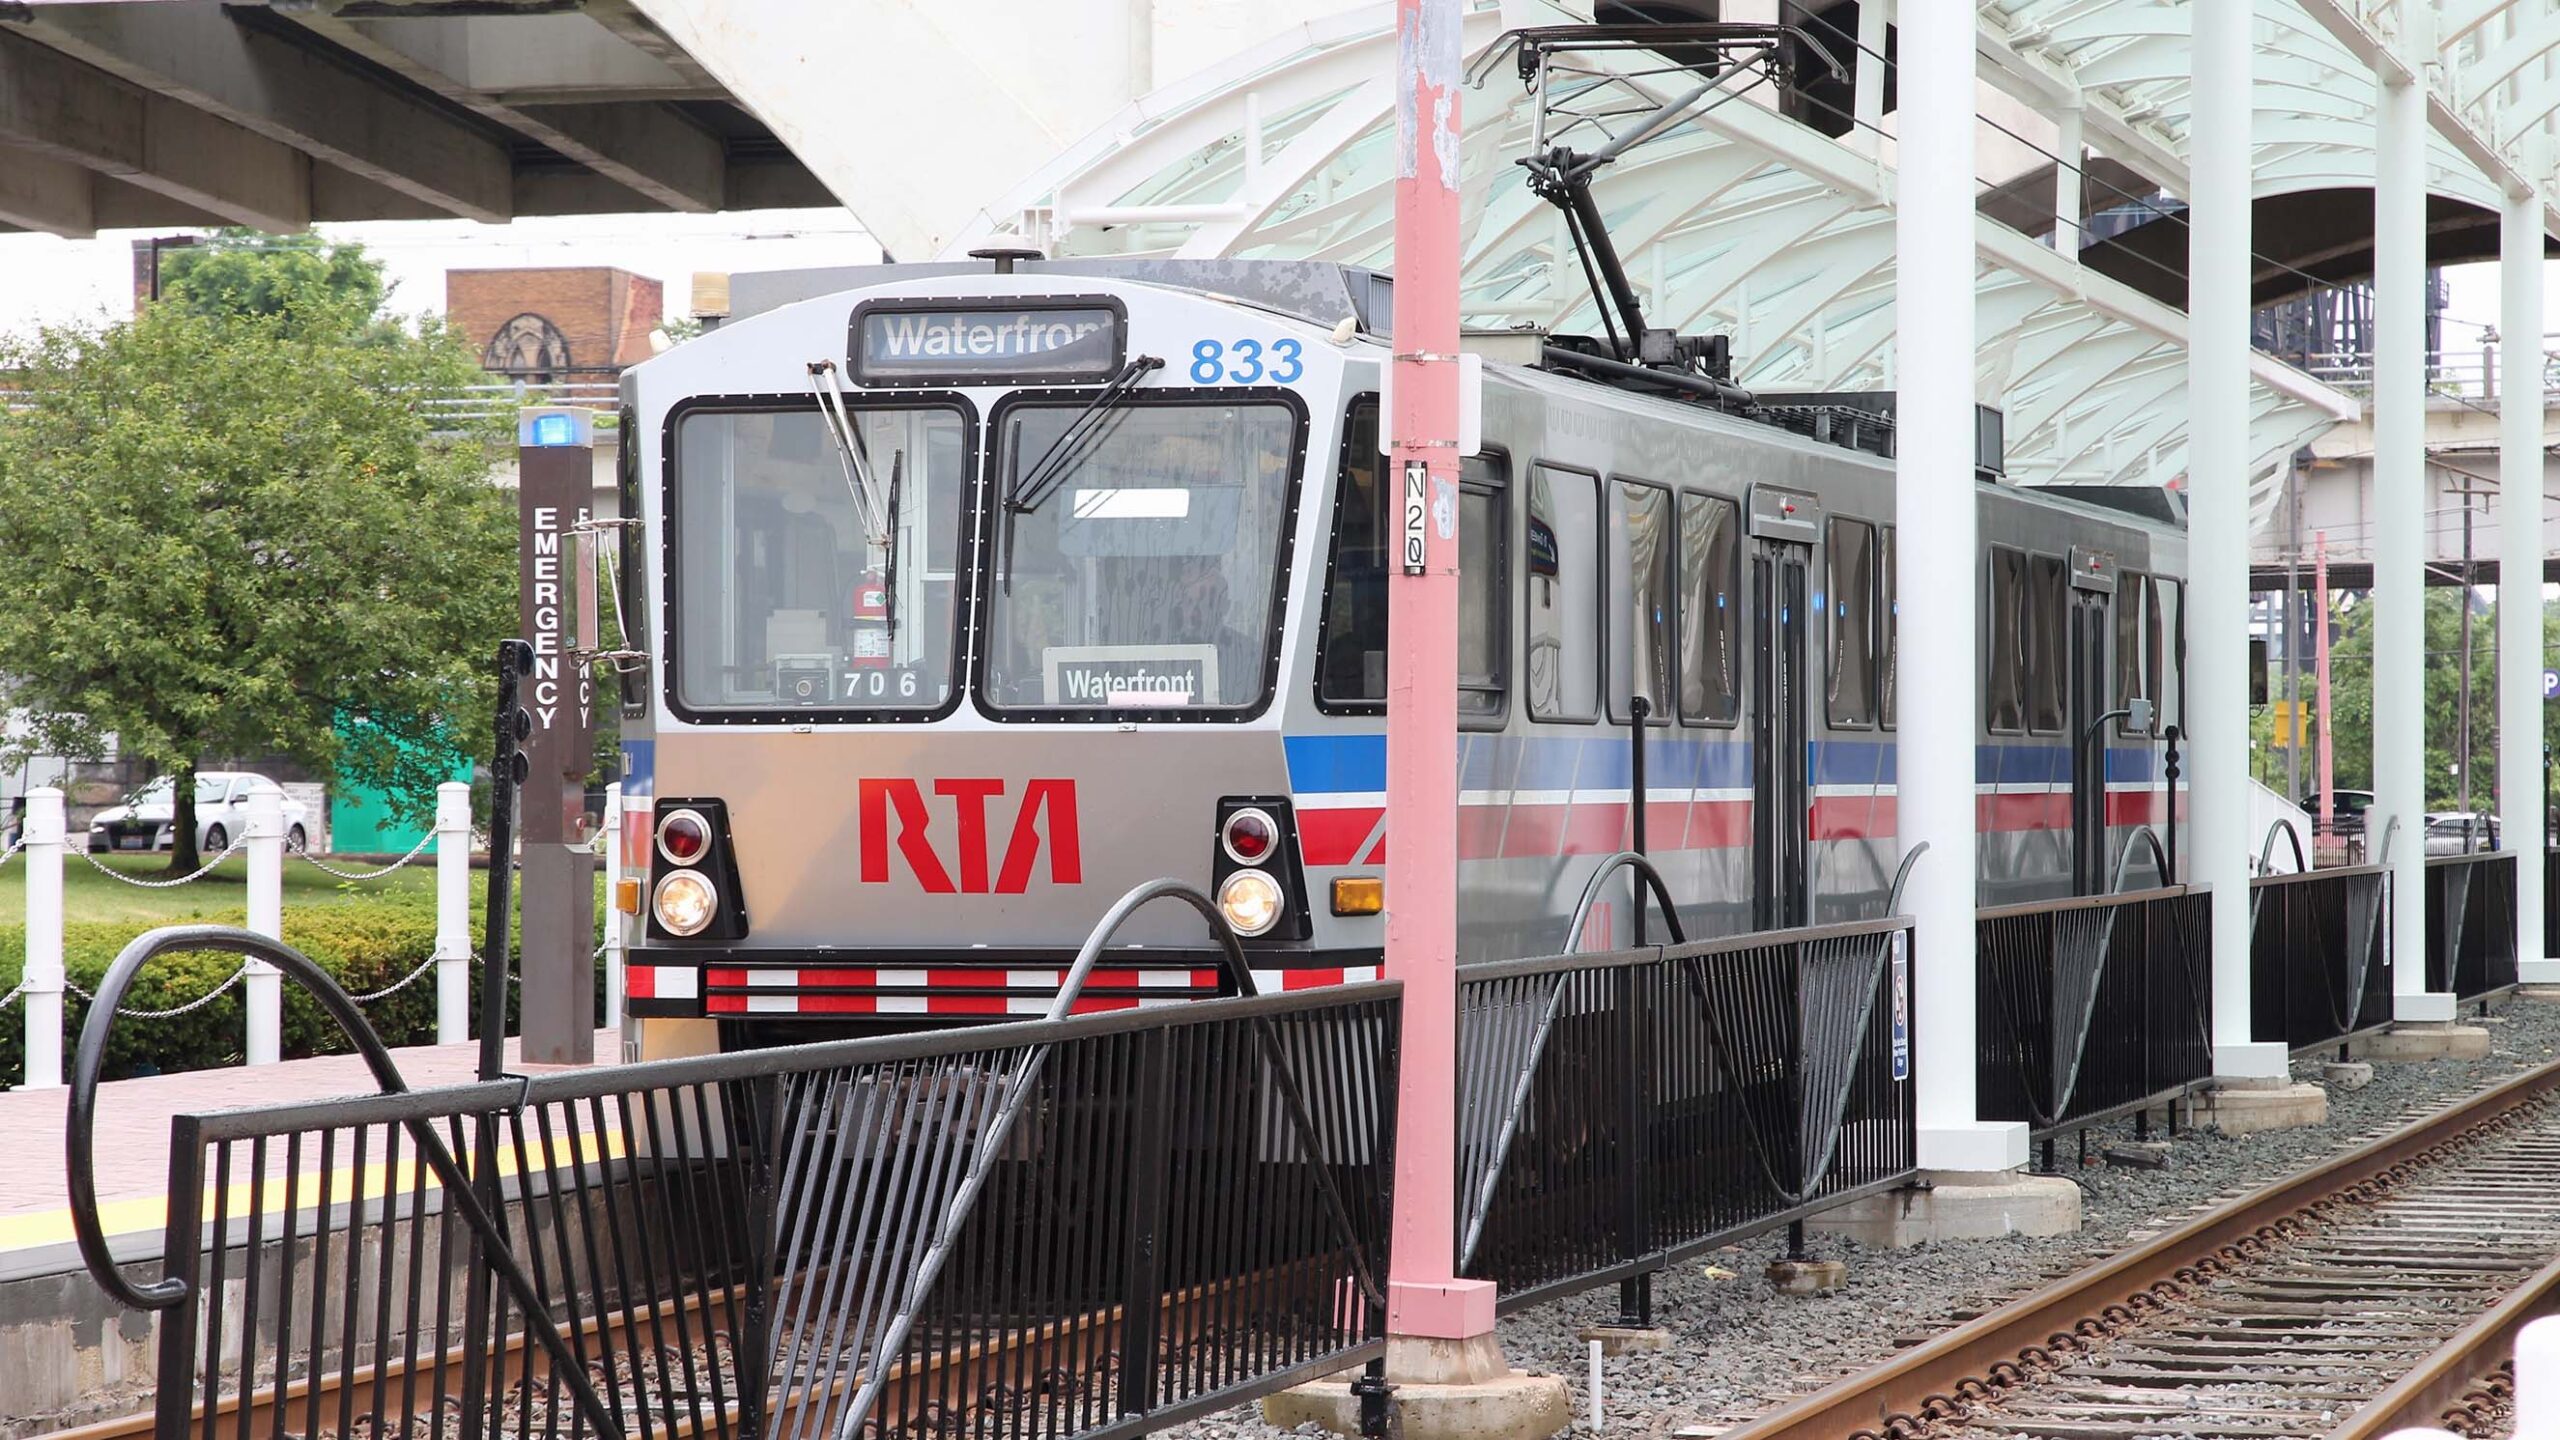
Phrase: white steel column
pixel 263 989
pixel 1934 504
pixel 45 842
pixel 2520 472
pixel 2218 464
pixel 453 912
pixel 2400 514
pixel 2068 191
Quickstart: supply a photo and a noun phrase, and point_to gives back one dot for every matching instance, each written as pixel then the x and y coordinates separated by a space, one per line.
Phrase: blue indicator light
pixel 555 430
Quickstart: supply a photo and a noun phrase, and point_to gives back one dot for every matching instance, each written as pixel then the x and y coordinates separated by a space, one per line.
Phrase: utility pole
pixel 2463 741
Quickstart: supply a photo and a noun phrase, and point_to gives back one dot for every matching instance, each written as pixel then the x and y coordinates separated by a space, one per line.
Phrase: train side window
pixel 1888 623
pixel 1850 546
pixel 2004 701
pixel 1710 610
pixel 2048 607
pixel 630 627
pixel 2132 595
pixel 2155 652
pixel 1484 575
pixel 1563 599
pixel 1351 653
pixel 1643 541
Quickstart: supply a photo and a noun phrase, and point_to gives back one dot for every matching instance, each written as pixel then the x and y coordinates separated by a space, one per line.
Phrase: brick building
pixel 546 325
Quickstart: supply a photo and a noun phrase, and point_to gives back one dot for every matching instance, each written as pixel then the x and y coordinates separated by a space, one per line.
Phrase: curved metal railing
pixel 1230 950
pixel 2267 848
pixel 168 1292
pixel 2124 859
pixel 1019 1086
pixel 1902 877
pixel 1590 901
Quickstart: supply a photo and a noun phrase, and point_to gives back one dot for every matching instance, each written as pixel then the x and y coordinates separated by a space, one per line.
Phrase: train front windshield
pixel 798 588
pixel 1137 560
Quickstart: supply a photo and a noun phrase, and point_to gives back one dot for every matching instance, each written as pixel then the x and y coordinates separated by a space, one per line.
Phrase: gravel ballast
pixel 1739 1350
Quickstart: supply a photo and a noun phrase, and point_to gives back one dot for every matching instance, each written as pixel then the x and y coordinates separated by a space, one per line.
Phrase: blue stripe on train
pixel 1357 764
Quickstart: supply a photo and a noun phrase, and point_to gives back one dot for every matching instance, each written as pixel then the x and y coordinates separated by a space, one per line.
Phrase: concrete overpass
pixel 282 113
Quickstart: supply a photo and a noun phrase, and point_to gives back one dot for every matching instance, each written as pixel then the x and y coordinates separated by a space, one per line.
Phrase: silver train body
pixel 943 660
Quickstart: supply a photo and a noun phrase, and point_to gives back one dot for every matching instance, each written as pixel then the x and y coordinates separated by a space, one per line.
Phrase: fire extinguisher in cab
pixel 870 631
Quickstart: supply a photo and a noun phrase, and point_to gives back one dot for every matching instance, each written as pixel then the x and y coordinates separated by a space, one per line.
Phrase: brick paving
pixel 133 1127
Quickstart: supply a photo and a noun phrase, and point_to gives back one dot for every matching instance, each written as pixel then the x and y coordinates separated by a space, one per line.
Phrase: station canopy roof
pixel 1771 219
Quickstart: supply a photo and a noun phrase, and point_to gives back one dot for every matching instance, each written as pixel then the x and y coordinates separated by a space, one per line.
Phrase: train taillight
pixel 694 892
pixel 684 836
pixel 1250 835
pixel 1254 869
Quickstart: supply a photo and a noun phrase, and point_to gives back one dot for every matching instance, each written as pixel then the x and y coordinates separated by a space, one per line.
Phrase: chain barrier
pixel 14 847
pixel 173 1012
pixel 14 992
pixel 326 868
pixel 395 986
pixel 201 871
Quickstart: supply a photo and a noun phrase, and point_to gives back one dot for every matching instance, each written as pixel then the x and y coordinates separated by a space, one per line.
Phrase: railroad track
pixel 2378 1290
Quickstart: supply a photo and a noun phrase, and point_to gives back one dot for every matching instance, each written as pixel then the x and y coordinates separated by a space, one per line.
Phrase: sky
pixel 47 280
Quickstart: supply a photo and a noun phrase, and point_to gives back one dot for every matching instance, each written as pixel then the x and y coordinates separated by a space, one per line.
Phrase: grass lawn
pixel 222 894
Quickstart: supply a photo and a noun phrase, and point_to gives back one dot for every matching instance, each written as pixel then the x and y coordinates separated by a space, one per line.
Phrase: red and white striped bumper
pixel 729 988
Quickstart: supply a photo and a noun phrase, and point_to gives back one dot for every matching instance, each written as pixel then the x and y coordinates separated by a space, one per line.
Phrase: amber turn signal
pixel 1359 895
pixel 626 896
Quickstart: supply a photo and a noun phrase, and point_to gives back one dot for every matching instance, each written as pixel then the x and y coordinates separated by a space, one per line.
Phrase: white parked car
pixel 222 815
pixel 2451 832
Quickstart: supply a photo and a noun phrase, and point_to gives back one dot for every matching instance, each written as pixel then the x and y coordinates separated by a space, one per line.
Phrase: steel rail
pixel 2427 1394
pixel 1920 1386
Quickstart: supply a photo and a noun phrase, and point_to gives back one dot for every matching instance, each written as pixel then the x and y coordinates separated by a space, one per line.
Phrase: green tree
pixel 301 279
pixel 2351 684
pixel 231 530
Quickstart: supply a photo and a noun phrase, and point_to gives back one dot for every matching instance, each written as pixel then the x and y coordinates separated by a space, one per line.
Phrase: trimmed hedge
pixel 365 943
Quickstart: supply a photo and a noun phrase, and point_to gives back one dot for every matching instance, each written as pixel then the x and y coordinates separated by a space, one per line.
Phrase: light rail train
pixel 972 596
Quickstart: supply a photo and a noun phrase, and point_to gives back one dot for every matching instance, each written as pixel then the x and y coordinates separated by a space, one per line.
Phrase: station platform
pixel 133 1142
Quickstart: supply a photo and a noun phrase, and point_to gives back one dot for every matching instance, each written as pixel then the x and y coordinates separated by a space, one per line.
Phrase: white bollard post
pixel 453 913
pixel 612 915
pixel 264 983
pixel 43 975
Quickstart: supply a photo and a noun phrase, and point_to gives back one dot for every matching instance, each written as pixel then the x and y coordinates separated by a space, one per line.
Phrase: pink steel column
pixel 1425 1299
pixel 2320 652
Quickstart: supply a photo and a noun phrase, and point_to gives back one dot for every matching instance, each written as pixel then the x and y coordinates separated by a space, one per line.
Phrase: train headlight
pixel 685 903
pixel 1250 836
pixel 1251 901
pixel 684 836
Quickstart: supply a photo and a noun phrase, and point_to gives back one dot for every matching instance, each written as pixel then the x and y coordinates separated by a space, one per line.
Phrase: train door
pixel 2089 623
pixel 1783 526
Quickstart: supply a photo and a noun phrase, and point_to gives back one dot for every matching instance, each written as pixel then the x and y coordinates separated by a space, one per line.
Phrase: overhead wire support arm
pixel 1613 108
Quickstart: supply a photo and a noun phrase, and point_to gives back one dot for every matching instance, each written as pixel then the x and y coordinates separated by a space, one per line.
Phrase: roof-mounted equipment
pixel 1609 104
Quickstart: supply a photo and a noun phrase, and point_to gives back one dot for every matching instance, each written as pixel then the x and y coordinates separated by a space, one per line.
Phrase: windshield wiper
pixel 1032 486
pixel 889 559
pixel 869 510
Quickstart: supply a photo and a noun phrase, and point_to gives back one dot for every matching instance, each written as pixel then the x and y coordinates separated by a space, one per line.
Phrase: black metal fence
pixel 2093 1006
pixel 2550 911
pixel 2319 955
pixel 1621 1112
pixel 1080 1226
pixel 2471 923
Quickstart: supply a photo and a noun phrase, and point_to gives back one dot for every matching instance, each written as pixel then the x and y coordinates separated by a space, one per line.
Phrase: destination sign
pixel 902 345
pixel 1130 675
